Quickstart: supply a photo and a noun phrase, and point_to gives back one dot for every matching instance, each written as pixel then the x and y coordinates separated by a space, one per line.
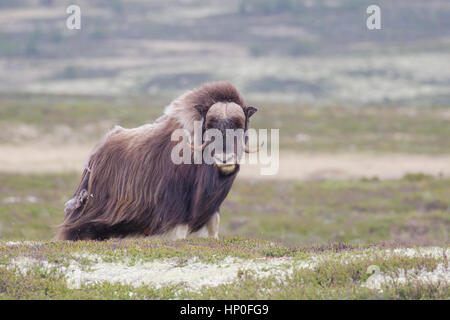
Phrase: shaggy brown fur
pixel 130 185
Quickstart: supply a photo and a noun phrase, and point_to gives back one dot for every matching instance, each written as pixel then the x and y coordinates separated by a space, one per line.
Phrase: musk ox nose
pixel 225 162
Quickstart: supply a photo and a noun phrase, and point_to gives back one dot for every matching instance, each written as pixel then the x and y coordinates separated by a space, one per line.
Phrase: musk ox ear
pixel 249 111
pixel 202 110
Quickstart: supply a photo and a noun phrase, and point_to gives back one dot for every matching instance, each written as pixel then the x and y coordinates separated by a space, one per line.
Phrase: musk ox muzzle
pixel 225 162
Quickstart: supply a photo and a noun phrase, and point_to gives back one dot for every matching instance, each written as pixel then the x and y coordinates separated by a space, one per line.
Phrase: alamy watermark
pixel 73 21
pixel 373 22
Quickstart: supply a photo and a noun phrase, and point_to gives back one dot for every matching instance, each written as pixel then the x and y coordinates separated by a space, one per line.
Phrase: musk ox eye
pixel 212 123
pixel 237 123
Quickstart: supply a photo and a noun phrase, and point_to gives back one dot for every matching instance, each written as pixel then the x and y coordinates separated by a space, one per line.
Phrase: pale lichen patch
pixel 440 275
pixel 193 274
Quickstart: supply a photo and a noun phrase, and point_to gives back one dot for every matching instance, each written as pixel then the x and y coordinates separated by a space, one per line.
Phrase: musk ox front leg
pixel 210 229
pixel 180 232
pixel 213 226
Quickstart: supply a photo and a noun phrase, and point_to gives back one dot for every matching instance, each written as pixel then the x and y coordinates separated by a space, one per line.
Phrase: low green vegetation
pixel 412 210
pixel 334 271
pixel 308 129
pixel 310 239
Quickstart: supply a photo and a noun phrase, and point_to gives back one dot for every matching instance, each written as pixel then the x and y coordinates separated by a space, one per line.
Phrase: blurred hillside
pixel 312 52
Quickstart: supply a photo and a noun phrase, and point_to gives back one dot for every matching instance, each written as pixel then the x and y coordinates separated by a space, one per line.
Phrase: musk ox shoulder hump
pixel 182 109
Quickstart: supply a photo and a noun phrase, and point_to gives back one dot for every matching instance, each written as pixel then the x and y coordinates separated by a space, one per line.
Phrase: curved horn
pixel 197 148
pixel 247 149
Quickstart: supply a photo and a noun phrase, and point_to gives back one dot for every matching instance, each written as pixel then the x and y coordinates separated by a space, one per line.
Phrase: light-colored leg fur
pixel 210 229
pixel 202 233
pixel 213 226
pixel 180 232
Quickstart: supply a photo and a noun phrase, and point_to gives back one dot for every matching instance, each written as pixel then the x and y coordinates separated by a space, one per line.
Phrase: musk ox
pixel 130 186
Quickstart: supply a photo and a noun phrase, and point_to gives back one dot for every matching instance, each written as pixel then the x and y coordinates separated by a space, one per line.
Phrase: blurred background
pixel 315 52
pixel 364 115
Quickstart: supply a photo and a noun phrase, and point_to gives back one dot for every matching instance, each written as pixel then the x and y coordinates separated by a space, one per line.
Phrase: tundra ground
pixel 412 210
pixel 368 193
pixel 231 268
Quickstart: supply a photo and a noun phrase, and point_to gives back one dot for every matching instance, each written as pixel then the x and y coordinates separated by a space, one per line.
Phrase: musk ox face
pixel 228 122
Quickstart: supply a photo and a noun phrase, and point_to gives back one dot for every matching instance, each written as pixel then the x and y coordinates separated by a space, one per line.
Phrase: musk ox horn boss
pixel 130 186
